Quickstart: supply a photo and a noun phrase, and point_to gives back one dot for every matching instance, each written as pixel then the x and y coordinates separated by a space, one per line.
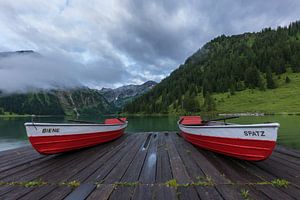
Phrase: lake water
pixel 13 135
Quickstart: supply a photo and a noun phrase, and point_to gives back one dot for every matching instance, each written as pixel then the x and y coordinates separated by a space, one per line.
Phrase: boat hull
pixel 49 138
pixel 247 142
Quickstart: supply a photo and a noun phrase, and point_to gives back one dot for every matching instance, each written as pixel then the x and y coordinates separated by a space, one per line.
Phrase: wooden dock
pixel 147 166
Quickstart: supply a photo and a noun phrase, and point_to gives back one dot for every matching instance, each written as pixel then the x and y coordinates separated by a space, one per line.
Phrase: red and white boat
pixel 248 142
pixel 51 138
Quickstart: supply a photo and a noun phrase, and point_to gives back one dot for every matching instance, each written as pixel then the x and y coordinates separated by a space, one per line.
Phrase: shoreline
pixel 241 114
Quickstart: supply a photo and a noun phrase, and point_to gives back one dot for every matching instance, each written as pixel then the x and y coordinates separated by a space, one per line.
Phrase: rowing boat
pixel 52 138
pixel 248 142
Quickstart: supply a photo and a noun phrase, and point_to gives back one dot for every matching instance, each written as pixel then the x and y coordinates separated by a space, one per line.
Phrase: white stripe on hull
pixel 49 129
pixel 253 131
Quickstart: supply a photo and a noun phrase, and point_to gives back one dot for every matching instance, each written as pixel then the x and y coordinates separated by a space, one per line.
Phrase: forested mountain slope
pixel 226 64
pixel 57 102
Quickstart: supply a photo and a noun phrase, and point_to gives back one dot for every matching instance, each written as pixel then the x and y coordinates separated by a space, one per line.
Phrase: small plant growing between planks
pixel 36 183
pixel 280 183
pixel 245 194
pixel 275 183
pixel 125 184
pixel 203 181
pixel 172 183
pixel 72 184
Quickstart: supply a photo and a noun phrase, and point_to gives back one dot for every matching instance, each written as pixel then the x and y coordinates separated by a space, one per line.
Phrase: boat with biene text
pixel 52 138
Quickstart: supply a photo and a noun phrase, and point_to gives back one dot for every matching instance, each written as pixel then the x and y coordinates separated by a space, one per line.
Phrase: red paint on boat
pixel 230 139
pixel 190 120
pixel 115 121
pixel 51 138
pixel 63 143
pixel 245 149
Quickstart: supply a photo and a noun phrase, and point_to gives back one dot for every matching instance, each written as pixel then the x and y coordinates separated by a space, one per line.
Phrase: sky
pixel 118 42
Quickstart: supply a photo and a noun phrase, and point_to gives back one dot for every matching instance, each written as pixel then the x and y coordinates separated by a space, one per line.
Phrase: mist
pixel 22 73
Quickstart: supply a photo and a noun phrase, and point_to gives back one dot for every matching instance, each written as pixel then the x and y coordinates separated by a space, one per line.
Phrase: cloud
pixel 22 72
pixel 110 43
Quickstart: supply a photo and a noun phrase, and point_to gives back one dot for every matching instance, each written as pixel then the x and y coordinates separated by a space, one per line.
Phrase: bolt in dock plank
pixel 152 165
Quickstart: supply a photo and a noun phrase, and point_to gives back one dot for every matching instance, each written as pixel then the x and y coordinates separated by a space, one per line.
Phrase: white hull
pixel 56 129
pixel 254 131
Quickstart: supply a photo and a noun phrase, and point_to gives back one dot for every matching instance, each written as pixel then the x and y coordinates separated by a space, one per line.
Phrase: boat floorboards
pixel 151 165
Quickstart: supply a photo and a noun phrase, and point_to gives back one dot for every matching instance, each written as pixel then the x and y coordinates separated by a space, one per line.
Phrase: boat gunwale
pixel 72 124
pixel 267 125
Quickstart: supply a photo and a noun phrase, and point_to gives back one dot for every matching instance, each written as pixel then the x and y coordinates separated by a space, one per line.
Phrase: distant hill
pixel 230 65
pixel 122 95
pixel 85 101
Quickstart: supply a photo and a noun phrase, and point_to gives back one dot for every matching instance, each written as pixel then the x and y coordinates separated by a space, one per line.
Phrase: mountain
pixel 231 65
pixel 127 93
pixel 85 101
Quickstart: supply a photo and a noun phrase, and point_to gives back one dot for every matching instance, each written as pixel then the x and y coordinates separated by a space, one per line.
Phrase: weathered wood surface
pixel 146 166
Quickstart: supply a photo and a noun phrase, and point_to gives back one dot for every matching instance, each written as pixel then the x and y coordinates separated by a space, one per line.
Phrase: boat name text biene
pixel 50 130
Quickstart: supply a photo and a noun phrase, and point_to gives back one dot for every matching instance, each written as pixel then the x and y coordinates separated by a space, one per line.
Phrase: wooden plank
pixel 82 173
pixel 290 152
pixel 203 161
pixel 20 162
pixel 64 164
pixel 267 177
pixel 143 192
pixel 15 154
pixel 165 157
pixel 102 192
pixel 163 166
pixel 101 159
pixel 39 169
pixel 38 192
pixel 109 161
pixel 149 169
pixel 280 170
pixel 25 168
pixel 16 150
pixel 287 163
pixel 120 168
pixel 58 193
pixel 132 173
pixel 195 172
pixel 179 172
pixel 82 192
pixel 206 164
pixel 287 158
pixel 18 192
pixel 273 193
pixel 163 192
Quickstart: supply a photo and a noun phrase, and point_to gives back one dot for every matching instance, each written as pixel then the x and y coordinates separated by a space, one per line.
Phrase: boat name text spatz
pixel 50 130
pixel 254 133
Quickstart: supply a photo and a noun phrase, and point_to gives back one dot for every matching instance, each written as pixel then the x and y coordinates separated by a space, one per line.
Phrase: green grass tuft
pixel 245 194
pixel 172 183
pixel 126 184
pixel 72 184
pixel 280 183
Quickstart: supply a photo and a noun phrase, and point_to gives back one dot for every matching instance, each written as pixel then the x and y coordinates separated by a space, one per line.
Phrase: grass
pixel 72 184
pixel 245 194
pixel 126 184
pixel 275 183
pixel 284 99
pixel 202 181
pixel 280 183
pixel 34 183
